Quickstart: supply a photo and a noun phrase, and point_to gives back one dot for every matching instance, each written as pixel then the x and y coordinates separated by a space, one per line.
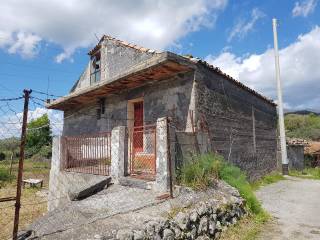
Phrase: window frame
pixel 94 72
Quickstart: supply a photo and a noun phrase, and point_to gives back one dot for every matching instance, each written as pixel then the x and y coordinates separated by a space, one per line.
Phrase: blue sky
pixel 44 45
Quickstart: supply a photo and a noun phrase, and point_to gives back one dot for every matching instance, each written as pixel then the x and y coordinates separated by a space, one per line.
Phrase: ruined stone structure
pixel 295 151
pixel 136 88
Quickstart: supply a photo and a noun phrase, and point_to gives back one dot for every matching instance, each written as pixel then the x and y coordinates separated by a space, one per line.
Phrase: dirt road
pixel 295 205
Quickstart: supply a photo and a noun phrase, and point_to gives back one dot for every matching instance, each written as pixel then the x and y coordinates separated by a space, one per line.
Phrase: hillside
pixel 303 112
pixel 303 126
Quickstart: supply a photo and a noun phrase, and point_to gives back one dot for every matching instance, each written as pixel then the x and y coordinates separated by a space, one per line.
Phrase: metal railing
pixel 143 152
pixel 87 153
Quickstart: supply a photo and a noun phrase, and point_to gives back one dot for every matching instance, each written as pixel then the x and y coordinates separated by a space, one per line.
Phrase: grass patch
pixel 309 173
pixel 5 176
pixel 266 180
pixel 247 228
pixel 237 179
pixel 33 204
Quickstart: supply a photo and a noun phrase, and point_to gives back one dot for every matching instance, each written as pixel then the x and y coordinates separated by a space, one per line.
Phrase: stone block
pixel 118 140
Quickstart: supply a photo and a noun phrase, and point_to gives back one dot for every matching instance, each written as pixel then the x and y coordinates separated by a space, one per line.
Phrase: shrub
pixel 5 176
pixel 43 154
pixel 2 156
pixel 203 169
pixel 237 179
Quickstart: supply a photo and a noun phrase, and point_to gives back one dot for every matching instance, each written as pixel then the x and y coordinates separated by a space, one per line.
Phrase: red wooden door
pixel 138 127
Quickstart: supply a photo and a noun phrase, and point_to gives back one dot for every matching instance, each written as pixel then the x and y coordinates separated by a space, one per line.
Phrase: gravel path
pixel 295 205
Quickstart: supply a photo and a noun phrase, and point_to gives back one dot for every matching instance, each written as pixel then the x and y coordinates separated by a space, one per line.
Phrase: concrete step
pixel 136 183
pixel 88 186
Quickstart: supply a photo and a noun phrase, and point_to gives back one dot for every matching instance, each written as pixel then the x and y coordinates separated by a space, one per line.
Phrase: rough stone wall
pixel 204 220
pixel 296 156
pixel 115 59
pixel 242 127
pixel 167 98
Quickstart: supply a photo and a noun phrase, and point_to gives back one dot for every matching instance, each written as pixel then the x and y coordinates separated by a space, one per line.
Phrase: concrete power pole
pixel 285 169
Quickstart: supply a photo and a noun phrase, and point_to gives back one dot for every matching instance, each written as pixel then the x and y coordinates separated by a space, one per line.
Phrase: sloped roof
pixel 313 148
pixel 123 43
pixel 195 60
pixel 240 84
pixel 166 57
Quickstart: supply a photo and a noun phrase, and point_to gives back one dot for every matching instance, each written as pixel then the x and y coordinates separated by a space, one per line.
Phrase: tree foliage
pixel 38 135
pixel 10 146
pixel 303 126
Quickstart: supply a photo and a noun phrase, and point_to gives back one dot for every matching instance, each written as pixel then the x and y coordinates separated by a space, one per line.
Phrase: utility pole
pixel 19 179
pixel 285 169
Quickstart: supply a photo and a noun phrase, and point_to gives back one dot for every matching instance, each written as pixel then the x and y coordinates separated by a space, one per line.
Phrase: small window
pixel 95 71
pixel 101 107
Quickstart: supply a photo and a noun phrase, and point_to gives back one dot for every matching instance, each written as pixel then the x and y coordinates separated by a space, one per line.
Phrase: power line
pixel 10 99
pixel 43 93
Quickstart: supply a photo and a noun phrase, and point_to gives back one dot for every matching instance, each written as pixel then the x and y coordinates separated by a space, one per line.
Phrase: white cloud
pixel 300 73
pixel 304 8
pixel 73 24
pixel 25 44
pixel 243 27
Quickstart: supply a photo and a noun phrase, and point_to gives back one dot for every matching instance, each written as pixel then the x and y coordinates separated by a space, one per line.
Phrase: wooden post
pixel 21 159
pixel 254 131
pixel 11 162
pixel 169 158
pixel 195 135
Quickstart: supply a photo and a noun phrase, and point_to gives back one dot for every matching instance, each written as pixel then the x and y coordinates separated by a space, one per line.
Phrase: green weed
pixel 203 169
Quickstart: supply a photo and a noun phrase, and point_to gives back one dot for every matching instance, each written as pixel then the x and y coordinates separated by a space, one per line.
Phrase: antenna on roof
pixel 96 36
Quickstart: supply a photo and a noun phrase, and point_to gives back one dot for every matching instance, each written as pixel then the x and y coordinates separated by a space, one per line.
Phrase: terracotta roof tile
pixel 313 148
pixel 297 141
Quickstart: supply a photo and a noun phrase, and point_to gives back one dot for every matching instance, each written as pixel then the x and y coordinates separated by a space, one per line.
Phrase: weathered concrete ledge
pixel 131 213
pixel 91 184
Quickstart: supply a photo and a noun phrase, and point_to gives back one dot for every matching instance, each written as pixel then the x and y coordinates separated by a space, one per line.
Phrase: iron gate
pixel 143 152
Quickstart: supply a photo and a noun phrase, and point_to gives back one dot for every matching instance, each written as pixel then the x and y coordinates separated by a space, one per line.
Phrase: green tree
pixel 38 135
pixel 303 126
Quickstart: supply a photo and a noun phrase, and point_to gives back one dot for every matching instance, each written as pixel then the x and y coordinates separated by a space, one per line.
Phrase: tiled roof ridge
pixel 124 43
pixel 218 70
pixel 297 141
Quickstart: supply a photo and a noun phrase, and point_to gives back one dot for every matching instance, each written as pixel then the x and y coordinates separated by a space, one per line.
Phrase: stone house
pixel 312 152
pixel 295 152
pixel 135 111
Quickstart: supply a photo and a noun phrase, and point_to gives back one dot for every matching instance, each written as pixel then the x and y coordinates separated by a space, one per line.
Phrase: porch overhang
pixel 160 67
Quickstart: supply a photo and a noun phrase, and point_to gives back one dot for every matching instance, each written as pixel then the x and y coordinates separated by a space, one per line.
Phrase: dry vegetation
pixel 33 200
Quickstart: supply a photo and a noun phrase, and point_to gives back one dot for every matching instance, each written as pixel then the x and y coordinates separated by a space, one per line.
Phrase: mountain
pixel 303 112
